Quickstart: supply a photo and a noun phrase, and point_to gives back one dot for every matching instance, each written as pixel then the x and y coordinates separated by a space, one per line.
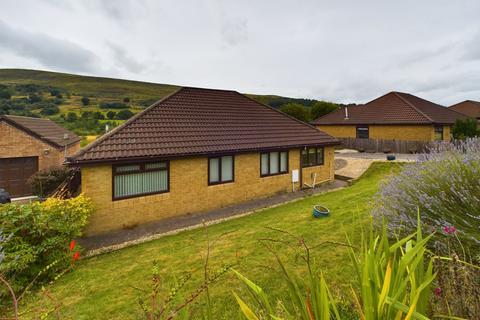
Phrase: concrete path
pixel 146 232
pixel 349 163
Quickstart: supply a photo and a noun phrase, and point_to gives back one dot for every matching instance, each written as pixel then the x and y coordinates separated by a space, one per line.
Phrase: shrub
pixel 124 114
pixel 85 101
pixel 465 129
pixel 54 92
pixel 44 182
pixel 393 282
pixel 49 110
pixel 444 186
pixel 39 235
pixel 32 98
pixel 111 115
pixel 113 105
pixel 5 94
pixel 71 117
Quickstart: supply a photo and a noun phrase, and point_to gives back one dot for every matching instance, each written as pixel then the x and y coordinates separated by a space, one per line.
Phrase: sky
pixel 342 51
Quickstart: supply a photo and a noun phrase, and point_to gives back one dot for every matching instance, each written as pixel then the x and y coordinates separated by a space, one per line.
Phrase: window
pixel 220 170
pixel 135 180
pixel 273 163
pixel 362 132
pixel 312 157
pixel 438 133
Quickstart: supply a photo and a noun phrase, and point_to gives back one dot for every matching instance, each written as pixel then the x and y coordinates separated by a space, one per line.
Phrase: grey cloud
pixel 472 48
pixel 50 52
pixel 124 60
pixel 234 31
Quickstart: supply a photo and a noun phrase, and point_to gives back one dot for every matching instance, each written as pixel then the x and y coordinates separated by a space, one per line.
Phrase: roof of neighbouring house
pixel 194 121
pixel 43 129
pixel 468 107
pixel 392 108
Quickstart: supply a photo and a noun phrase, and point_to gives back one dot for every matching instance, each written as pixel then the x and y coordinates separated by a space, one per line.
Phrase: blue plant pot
pixel 320 211
pixel 391 157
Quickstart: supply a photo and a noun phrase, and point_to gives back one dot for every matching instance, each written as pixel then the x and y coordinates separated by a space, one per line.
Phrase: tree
pixel 98 115
pixel 32 98
pixel 85 101
pixel 297 111
pixel 126 99
pixel 124 114
pixel 71 117
pixel 49 110
pixel 111 115
pixel 465 129
pixel 86 115
pixel 5 94
pixel 321 108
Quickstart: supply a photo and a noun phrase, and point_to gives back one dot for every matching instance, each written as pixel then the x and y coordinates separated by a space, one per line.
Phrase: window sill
pixel 273 175
pixel 211 184
pixel 315 165
pixel 140 195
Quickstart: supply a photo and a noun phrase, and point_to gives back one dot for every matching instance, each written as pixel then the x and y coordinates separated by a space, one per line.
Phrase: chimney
pixel 346 113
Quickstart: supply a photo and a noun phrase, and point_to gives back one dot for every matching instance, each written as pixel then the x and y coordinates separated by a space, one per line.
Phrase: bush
pixel 44 182
pixel 113 105
pixel 126 99
pixel 49 110
pixel 85 101
pixel 444 186
pixel 5 94
pixel 124 114
pixel 54 92
pixel 111 115
pixel 71 117
pixel 98 115
pixel 32 98
pixel 39 235
pixel 465 129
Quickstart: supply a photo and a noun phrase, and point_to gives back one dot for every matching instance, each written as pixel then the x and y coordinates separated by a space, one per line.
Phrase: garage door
pixel 14 173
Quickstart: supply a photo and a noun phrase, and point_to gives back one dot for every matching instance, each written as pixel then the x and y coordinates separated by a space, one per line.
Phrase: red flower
pixel 76 256
pixel 72 245
pixel 438 291
pixel 449 229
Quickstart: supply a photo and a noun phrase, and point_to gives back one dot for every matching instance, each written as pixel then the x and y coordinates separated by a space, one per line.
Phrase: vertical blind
pixel 141 179
pixel 220 169
pixel 273 163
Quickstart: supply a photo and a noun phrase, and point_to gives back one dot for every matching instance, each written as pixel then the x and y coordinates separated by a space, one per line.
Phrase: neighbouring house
pixel 393 116
pixel 469 108
pixel 28 145
pixel 198 150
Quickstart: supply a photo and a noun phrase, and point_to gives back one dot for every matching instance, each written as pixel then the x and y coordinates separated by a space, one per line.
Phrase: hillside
pixel 86 104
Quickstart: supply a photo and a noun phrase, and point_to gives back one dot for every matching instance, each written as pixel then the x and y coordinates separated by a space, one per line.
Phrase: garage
pixel 14 173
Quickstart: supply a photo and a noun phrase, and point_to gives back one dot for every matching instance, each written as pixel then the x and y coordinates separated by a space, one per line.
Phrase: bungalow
pixel 469 108
pixel 393 116
pixel 28 145
pixel 198 150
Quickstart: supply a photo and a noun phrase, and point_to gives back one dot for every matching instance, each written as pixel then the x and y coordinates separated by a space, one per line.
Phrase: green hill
pixel 58 96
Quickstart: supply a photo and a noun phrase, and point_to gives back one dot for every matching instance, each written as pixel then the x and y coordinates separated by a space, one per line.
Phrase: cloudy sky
pixel 343 51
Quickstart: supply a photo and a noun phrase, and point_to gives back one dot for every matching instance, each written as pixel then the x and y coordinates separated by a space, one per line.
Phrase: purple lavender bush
pixel 444 186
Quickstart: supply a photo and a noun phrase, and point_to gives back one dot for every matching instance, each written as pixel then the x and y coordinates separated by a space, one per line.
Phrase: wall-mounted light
pixel 46 151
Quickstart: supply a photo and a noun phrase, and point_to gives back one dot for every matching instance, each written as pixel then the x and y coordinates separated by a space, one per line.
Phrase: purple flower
pixel 438 291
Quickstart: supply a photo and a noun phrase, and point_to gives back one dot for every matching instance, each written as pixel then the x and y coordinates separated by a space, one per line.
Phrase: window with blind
pixel 135 180
pixel 273 163
pixel 363 132
pixel 220 170
pixel 438 133
pixel 312 157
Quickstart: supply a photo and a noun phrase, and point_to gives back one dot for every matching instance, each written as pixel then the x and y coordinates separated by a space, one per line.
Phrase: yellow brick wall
pixel 17 143
pixel 339 131
pixel 387 132
pixel 189 190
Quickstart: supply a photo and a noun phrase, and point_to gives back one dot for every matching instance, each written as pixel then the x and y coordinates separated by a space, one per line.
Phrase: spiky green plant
pixel 393 282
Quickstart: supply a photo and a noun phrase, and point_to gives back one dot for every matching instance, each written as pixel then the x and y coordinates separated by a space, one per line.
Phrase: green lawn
pixel 102 287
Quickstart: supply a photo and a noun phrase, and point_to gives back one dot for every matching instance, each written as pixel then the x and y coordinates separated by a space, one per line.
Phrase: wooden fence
pixel 385 146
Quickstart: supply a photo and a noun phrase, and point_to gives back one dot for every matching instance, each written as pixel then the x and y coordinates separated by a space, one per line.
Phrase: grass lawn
pixel 102 287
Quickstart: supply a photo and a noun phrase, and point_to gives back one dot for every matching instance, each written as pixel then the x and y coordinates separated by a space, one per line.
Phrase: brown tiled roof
pixel 195 121
pixel 43 129
pixel 469 108
pixel 393 108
